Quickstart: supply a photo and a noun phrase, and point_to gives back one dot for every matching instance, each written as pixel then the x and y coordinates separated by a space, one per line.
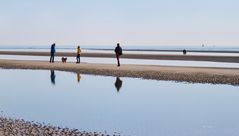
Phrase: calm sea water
pixel 154 49
pixel 129 106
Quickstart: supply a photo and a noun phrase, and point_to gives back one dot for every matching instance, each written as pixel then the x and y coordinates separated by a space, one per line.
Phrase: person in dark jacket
pixel 53 51
pixel 118 53
pixel 184 51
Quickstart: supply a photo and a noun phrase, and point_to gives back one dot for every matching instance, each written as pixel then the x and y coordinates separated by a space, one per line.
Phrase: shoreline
pixel 231 59
pixel 17 127
pixel 166 73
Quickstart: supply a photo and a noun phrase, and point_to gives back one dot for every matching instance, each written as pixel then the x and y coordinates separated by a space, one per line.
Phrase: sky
pixel 130 22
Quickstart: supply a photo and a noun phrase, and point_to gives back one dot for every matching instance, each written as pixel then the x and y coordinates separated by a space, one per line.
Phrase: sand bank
pixel 231 59
pixel 14 127
pixel 187 74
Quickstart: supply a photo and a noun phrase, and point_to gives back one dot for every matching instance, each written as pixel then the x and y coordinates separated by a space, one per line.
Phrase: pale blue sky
pixel 131 22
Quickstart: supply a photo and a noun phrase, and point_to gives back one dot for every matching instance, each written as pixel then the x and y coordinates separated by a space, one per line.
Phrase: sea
pixel 135 48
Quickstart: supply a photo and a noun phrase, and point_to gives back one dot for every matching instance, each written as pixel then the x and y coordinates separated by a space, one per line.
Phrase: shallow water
pixel 129 106
pixel 135 51
pixel 130 61
pixel 207 50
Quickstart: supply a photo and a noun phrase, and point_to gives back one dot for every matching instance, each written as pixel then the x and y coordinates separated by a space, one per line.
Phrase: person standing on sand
pixel 53 51
pixel 78 54
pixel 118 53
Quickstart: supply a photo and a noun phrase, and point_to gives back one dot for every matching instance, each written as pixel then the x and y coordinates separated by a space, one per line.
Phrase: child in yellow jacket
pixel 78 54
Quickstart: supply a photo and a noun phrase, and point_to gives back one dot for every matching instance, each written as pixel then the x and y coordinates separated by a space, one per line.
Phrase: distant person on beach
pixel 118 84
pixel 78 54
pixel 184 51
pixel 118 53
pixel 53 76
pixel 53 51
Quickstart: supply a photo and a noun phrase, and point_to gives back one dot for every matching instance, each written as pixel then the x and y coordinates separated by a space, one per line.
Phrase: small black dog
pixel 64 59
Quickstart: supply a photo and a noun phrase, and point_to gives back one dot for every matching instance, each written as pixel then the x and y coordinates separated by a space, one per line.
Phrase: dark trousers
pixel 52 57
pixel 78 58
pixel 117 57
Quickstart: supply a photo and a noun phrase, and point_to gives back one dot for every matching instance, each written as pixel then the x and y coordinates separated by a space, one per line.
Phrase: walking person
pixel 53 51
pixel 118 53
pixel 78 54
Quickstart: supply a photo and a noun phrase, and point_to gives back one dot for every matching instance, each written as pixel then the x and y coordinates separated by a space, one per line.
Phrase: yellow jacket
pixel 78 51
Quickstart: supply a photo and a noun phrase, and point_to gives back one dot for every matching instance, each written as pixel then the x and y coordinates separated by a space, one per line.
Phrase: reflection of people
pixel 53 76
pixel 78 77
pixel 53 50
pixel 118 53
pixel 78 54
pixel 118 84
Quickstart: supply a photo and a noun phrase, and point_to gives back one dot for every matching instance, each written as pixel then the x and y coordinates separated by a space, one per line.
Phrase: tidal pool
pixel 128 106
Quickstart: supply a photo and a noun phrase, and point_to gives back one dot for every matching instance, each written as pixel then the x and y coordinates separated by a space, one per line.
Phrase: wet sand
pixel 230 59
pixel 179 74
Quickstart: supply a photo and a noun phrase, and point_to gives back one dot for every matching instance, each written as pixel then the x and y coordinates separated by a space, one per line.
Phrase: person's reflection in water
pixel 78 77
pixel 53 76
pixel 118 84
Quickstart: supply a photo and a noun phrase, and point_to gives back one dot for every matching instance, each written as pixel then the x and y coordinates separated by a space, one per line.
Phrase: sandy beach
pixel 231 59
pixel 179 74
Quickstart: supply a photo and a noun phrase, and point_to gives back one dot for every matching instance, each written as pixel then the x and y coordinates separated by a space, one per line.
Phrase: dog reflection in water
pixel 118 84
pixel 53 76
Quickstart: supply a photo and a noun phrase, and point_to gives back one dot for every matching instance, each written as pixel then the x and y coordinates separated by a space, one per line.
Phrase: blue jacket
pixel 53 50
